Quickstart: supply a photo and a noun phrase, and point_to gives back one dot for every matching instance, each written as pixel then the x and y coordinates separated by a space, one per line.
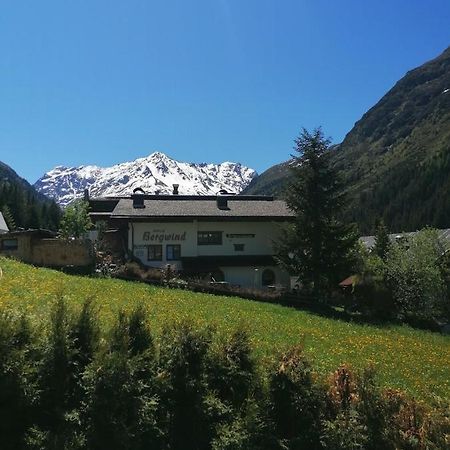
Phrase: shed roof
pixel 36 233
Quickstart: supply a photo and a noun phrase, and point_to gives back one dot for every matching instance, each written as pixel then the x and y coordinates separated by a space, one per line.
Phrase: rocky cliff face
pixel 155 173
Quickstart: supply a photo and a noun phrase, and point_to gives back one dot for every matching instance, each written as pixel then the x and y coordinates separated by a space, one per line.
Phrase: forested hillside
pixel 395 162
pixel 22 206
pixel 396 159
pixel 270 182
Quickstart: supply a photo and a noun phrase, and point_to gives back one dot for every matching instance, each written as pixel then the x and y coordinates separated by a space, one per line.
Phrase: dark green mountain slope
pixel 22 206
pixel 396 159
pixel 270 182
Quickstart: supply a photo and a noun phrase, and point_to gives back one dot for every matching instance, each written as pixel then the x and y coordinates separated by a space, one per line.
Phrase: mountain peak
pixel 158 155
pixel 156 172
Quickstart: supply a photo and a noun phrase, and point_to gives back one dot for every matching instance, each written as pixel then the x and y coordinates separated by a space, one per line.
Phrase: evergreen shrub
pixel 64 384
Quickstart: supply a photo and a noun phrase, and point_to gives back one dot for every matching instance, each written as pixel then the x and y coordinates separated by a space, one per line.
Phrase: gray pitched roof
pixel 203 207
pixel 369 241
pixel 3 227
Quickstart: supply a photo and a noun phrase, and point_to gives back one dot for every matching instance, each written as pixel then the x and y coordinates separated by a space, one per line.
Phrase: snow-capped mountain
pixel 155 173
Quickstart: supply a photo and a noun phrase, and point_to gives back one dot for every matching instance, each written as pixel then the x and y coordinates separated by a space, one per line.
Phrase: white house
pixel 226 237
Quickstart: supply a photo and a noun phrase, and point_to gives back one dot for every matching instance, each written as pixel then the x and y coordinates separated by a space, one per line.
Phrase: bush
pixel 374 414
pixel 234 394
pixel 343 427
pixel 182 364
pixel 122 404
pixel 410 284
pixel 413 425
pixel 296 402
pixel 135 271
pixel 414 276
pixel 18 390
pixel 345 432
pixel 232 370
pixel 75 221
pixel 57 379
pixel 436 425
pixel 374 298
pixel 84 334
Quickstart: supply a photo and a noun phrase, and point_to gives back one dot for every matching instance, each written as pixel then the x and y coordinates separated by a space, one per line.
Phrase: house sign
pixel 162 237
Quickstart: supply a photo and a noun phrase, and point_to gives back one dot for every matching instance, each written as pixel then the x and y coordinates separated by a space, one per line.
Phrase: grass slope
pixel 413 360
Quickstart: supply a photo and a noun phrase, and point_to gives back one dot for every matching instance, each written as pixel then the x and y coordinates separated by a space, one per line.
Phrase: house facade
pixel 222 238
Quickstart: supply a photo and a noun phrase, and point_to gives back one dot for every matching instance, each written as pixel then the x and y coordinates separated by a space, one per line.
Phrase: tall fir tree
pixel 317 247
pixel 18 207
pixel 382 241
pixel 54 215
pixel 34 216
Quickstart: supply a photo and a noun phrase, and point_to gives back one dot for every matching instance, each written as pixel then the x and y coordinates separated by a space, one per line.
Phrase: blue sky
pixel 102 82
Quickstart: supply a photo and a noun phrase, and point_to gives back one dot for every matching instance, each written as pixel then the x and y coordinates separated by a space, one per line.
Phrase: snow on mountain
pixel 155 173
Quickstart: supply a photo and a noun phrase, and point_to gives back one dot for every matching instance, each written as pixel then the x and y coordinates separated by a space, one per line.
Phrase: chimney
pixel 86 195
pixel 222 202
pixel 175 189
pixel 138 198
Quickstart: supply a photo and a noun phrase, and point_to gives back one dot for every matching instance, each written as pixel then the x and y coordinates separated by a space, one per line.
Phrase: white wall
pixel 265 233
pixel 261 244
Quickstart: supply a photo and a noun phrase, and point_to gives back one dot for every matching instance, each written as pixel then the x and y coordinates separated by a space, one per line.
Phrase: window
pixel 268 277
pixel 155 252
pixel 209 238
pixel 9 244
pixel 173 252
pixel 238 247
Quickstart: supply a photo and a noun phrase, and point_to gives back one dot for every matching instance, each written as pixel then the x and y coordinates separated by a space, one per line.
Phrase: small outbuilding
pixel 44 248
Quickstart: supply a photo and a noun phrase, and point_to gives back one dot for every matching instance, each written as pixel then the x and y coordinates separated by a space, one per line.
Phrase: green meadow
pixel 413 360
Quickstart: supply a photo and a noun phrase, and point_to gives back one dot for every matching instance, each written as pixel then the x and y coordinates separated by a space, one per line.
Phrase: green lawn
pixel 413 360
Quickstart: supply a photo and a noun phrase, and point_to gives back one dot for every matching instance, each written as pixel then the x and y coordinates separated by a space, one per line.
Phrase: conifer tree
pixel 53 216
pixel 318 247
pixel 17 205
pixel 34 216
pixel 382 242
